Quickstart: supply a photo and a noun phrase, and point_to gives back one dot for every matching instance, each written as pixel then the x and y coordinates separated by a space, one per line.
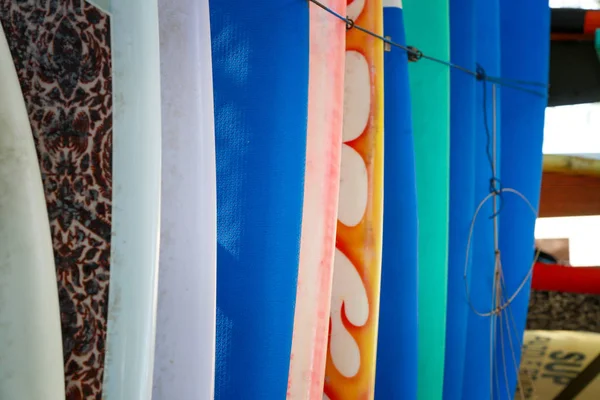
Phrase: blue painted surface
pixel 477 372
pixel 398 336
pixel 525 54
pixel 463 112
pixel 260 77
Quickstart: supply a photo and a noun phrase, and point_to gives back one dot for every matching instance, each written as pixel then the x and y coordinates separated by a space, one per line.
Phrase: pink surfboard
pixel 321 193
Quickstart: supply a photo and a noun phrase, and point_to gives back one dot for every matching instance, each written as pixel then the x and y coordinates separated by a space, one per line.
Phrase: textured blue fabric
pixel 525 31
pixel 397 340
pixel 260 77
pixel 463 111
pixel 476 379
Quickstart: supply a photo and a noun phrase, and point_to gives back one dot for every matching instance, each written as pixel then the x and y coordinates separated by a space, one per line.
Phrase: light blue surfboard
pixel 136 200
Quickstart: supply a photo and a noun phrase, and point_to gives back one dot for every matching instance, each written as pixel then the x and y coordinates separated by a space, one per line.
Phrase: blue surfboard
pixel 260 79
pixel 463 111
pixel 525 54
pixel 477 378
pixel 398 335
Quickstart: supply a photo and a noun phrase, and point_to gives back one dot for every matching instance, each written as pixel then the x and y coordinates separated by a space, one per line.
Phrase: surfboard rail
pixel 31 354
pixel 132 298
pixel 320 208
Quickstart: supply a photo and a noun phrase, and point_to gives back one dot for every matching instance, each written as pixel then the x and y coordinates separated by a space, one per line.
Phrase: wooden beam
pixel 572 37
pixel 566 195
pixel 571 165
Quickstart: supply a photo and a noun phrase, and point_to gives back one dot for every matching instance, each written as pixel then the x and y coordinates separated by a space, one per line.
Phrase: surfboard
pixel 427 29
pixel 352 348
pixel 462 176
pixel 260 58
pixel 525 54
pixel 480 375
pixel 136 181
pixel 185 344
pixel 31 364
pixel 321 190
pixel 62 55
pixel 397 339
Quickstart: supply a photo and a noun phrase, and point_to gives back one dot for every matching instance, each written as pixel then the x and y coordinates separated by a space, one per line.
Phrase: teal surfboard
pixel 427 28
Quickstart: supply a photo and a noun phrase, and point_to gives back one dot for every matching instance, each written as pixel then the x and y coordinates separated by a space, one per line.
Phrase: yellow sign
pixel 552 359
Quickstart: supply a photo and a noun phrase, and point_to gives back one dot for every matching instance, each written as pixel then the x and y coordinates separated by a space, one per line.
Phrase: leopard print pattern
pixel 564 311
pixel 61 50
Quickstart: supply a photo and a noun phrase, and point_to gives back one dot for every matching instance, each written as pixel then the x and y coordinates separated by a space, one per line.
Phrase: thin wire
pixel 507 385
pixel 492 159
pixel 510 313
pixel 495 184
pixel 514 327
pixel 503 83
pixel 514 358
pixel 496 189
pixel 512 348
pixel 494 181
pixel 493 340
pixel 521 82
pixel 415 55
pixel 468 257
pixel 495 372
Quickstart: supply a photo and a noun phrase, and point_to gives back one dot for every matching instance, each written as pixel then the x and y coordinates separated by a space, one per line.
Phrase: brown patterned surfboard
pixel 61 50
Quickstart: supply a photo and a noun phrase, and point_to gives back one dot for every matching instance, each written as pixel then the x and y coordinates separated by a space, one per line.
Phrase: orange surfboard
pixel 321 190
pixel 352 348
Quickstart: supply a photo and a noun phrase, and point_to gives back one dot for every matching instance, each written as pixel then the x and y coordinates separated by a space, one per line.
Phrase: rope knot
pixel 414 54
pixel 349 23
pixel 496 190
pixel 495 186
pixel 480 73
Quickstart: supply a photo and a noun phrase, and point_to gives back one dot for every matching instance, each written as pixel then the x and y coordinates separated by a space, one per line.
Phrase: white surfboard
pixel 185 346
pixel 136 200
pixel 31 360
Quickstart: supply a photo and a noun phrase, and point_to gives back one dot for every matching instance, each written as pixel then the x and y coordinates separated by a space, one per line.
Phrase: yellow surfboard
pixel 350 369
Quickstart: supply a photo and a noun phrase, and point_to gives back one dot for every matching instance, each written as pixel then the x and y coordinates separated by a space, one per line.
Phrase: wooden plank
pixel 572 165
pixel 566 195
